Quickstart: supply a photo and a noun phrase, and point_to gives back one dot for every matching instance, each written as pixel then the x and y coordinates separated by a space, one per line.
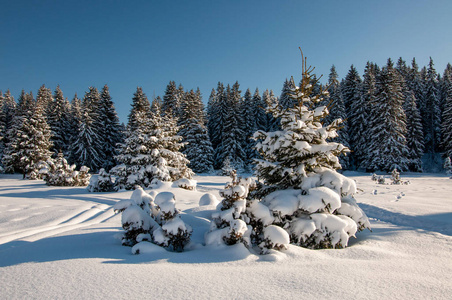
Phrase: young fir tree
pixel 300 190
pixel 198 148
pixel 151 148
pixel 388 149
pixel 430 111
pixel 29 139
pixel 447 112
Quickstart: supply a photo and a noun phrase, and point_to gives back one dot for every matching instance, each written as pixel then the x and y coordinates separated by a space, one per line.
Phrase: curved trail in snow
pixel 88 216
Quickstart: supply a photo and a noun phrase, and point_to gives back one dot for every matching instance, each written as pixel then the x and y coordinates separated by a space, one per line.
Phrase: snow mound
pixel 208 199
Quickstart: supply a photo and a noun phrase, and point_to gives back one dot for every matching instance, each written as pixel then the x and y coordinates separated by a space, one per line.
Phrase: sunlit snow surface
pixel 59 243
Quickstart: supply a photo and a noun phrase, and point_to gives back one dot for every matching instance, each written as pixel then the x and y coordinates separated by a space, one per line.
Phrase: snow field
pixel 59 243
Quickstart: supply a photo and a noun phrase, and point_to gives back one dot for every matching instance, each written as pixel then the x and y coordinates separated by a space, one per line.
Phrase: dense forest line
pixel 397 116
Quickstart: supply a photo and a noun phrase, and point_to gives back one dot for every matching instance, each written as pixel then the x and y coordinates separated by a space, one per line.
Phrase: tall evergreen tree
pixel 29 139
pixel 212 115
pixel 198 148
pixel 414 136
pixel 75 124
pixel 171 99
pixel 231 146
pixel 110 130
pixel 285 100
pixel 219 124
pixel 140 108
pixel 337 111
pixel 351 89
pixel 58 117
pixel 88 144
pixel 151 148
pixel 248 112
pixel 388 148
pixel 447 112
pixel 260 116
pixel 430 111
pixel 356 112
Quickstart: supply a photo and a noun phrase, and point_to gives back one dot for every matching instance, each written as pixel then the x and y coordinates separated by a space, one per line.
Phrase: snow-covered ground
pixel 59 243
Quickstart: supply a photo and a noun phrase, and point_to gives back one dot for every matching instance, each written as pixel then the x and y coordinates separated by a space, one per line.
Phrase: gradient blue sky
pixel 126 44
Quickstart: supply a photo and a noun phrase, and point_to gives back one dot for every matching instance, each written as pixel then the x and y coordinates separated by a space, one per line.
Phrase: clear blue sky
pixel 126 44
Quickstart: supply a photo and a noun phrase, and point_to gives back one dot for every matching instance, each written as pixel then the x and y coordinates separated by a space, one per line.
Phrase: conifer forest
pixel 395 116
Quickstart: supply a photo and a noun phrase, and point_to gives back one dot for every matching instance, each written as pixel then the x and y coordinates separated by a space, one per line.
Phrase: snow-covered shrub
pixel 39 170
pixel 101 182
pixel 227 169
pixel 374 177
pixel 157 221
pixel 184 183
pixel 381 180
pixel 274 238
pixel 229 223
pixel 59 173
pixel 138 217
pixel 395 176
pixel 173 233
pixel 300 190
pixel 448 165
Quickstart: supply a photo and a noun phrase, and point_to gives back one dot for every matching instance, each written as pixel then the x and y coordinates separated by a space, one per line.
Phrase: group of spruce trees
pixel 394 116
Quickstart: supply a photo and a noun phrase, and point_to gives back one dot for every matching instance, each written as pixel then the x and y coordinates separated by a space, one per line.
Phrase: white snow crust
pixel 58 243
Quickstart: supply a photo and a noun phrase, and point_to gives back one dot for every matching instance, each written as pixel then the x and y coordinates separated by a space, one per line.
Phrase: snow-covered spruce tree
pixel 248 112
pixel 216 119
pixel 60 173
pixel 414 136
pixel 75 121
pixel 447 112
pixel 173 233
pixel 157 221
pixel 7 112
pixel 351 95
pixel 299 188
pixel 388 149
pixel 430 111
pixel 337 111
pixel 171 100
pixel 87 146
pixel 229 223
pixel 138 217
pixel 110 129
pixel 448 166
pixel 198 148
pixel 29 139
pixel 58 116
pixel 232 135
pixel 151 148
